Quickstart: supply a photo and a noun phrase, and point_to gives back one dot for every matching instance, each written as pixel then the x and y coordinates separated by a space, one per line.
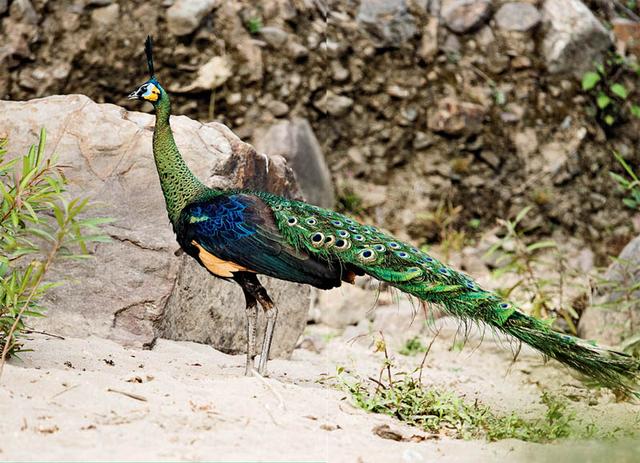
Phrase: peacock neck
pixel 178 183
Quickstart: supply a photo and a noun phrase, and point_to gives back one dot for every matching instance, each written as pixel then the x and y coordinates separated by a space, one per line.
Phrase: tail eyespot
pixel 342 234
pixel 379 247
pixel 402 254
pixel 358 237
pixel 393 245
pixel 342 245
pixel 291 221
pixel 336 223
pixel 311 221
pixel 367 255
pixel 329 240
pixel 317 239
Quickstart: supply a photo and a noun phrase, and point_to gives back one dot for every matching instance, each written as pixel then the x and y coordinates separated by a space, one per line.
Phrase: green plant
pixel 528 261
pixel 443 412
pixel 39 225
pixel 413 346
pixel 349 202
pixel 631 185
pixel 614 98
pixel 254 25
pixel 442 220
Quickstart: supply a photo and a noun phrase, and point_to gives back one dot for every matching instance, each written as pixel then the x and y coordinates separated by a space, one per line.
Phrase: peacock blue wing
pixel 237 232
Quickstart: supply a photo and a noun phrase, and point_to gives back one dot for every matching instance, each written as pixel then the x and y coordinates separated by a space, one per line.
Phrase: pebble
pixel 274 36
pixel 336 105
pixel 278 108
pixel 184 16
pixel 462 16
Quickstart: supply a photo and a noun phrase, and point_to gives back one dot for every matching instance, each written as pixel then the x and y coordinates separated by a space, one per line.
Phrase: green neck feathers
pixel 178 183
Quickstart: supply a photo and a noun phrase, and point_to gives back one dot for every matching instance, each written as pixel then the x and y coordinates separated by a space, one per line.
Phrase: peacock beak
pixel 135 95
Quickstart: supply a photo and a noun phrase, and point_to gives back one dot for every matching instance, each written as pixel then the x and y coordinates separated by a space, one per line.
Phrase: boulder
pixel 615 312
pixel 388 22
pixel 184 16
pixel 574 38
pixel 135 289
pixel 462 16
pixel 295 141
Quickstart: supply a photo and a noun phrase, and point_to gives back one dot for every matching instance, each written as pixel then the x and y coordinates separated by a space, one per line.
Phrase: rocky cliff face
pixel 471 102
pixel 135 288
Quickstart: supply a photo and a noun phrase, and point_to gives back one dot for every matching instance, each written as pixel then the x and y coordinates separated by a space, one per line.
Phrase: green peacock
pixel 239 234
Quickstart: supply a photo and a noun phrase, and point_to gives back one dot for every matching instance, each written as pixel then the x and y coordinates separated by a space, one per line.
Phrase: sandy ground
pixel 91 399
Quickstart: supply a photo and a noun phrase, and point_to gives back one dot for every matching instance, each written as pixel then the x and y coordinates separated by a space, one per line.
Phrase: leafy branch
pixel 39 225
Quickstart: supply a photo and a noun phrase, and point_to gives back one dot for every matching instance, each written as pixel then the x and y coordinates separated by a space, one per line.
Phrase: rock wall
pixel 135 288
pixel 472 102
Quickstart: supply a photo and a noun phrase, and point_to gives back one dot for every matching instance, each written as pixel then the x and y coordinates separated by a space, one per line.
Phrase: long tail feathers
pixel 337 238
pixel 608 368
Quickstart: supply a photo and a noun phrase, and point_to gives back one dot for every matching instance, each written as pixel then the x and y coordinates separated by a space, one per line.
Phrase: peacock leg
pixel 271 312
pixel 252 319
pixel 253 291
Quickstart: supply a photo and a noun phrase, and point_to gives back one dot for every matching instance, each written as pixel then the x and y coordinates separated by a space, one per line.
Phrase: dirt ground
pixel 91 399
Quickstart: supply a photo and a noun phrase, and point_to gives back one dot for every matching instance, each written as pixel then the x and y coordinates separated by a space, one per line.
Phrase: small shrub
pixel 614 99
pixel 39 225
pixel 528 261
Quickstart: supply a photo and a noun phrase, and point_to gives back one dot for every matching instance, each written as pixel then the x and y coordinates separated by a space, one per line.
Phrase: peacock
pixel 239 234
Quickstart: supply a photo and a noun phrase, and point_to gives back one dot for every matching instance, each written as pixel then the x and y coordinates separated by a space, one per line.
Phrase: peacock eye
pixel 393 245
pixel 358 237
pixel 311 221
pixel 367 255
pixel 329 240
pixel 444 271
pixel 379 248
pixel 316 239
pixel 504 305
pixel 343 233
pixel 341 244
pixel 292 221
pixel 402 254
pixel 336 223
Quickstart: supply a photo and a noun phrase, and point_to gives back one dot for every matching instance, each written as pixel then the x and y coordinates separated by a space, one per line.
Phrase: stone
pixel 517 16
pixel 274 36
pixel 615 312
pixel 296 50
pixel 23 11
pixel 106 16
pixel 456 118
pixel 184 16
pixel 429 41
pixel 387 22
pixel 336 105
pixel 627 35
pixel 462 16
pixel 278 108
pixel 135 289
pixel 212 74
pixel 574 38
pixel 344 306
pixel 295 141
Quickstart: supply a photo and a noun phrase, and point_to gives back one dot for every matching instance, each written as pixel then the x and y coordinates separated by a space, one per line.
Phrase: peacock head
pixel 151 90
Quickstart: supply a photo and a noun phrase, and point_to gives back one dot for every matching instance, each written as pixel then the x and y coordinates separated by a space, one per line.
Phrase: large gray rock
pixel 295 141
pixel 574 37
pixel 615 312
pixel 135 288
pixel 517 16
pixel 388 22
pixel 184 16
